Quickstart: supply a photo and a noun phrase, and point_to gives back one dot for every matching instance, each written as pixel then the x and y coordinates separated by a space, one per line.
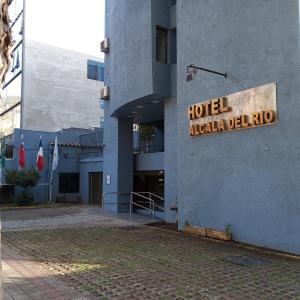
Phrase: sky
pixel 72 24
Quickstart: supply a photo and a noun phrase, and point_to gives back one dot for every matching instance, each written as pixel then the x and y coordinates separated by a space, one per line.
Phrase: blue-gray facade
pixel 247 178
pixel 80 153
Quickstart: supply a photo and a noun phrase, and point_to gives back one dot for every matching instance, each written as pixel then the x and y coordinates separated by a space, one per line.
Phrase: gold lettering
pixel 231 123
pixel 207 107
pixel 269 116
pixel 222 125
pixel 223 105
pixel 208 127
pixel 255 118
pixel 215 106
pixel 237 122
pixel 198 111
pixel 214 126
pixel 202 128
pixel 245 122
pixel 192 130
pixel 197 129
pixel 261 118
pixel 191 112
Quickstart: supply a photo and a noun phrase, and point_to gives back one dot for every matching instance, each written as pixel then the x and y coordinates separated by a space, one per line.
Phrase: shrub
pixel 25 179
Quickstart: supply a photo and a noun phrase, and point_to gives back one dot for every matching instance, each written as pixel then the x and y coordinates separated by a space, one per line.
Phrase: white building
pixel 48 88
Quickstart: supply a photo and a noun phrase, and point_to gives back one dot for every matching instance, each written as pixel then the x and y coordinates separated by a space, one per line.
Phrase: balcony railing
pixel 148 149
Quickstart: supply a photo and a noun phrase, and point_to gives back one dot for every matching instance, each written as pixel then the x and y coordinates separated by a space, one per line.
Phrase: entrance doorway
pixel 149 184
pixel 149 181
pixel 95 188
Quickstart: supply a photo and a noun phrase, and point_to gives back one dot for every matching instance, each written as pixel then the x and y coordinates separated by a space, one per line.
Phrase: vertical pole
pixel 153 210
pixel 102 204
pixel 130 205
pixel 50 187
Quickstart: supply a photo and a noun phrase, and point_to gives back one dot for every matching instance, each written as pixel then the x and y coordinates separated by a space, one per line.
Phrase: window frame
pixel 165 31
pixel 75 180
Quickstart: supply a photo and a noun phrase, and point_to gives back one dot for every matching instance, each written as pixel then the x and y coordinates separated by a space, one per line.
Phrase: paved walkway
pixel 130 261
pixel 57 217
pixel 28 280
pixel 24 278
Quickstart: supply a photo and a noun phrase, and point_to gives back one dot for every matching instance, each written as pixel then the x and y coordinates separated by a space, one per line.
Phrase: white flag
pixel 55 155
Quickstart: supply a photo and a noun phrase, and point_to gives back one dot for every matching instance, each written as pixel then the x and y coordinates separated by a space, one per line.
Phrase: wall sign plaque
pixel 250 108
pixel 108 179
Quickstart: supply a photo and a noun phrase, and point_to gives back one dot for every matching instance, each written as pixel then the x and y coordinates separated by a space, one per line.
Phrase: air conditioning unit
pixel 105 45
pixel 105 93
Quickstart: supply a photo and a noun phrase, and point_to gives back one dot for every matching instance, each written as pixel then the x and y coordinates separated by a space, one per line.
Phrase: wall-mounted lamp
pixel 191 71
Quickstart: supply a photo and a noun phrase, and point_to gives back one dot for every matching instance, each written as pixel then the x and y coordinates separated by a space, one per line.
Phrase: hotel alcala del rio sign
pixel 246 109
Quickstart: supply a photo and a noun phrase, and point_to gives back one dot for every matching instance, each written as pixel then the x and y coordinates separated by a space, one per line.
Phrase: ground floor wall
pixel 170 158
pixel 117 163
pixel 70 179
pixel 247 179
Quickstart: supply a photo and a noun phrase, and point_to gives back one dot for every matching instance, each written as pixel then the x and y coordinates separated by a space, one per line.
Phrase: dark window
pixel 172 3
pixel 7 193
pixel 92 72
pixel 95 70
pixel 68 183
pixel 161 45
pixel 173 46
pixel 9 152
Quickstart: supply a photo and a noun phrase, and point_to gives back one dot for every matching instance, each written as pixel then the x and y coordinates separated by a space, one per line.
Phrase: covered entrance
pixel 148 192
pixel 95 188
pixel 149 181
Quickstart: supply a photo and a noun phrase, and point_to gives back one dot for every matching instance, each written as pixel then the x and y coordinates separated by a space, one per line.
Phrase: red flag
pixel 40 157
pixel 22 153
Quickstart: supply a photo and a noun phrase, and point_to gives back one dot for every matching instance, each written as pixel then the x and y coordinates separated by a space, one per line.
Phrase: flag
pixel 40 157
pixel 55 155
pixel 22 153
pixel 2 153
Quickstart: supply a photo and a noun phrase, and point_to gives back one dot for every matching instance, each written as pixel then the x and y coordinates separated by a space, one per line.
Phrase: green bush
pixel 24 199
pixel 26 179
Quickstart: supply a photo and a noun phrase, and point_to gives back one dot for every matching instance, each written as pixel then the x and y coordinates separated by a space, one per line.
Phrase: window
pixel 11 94
pixel 9 151
pixel 92 72
pixel 101 121
pixel 95 70
pixel 101 104
pixel 161 45
pixel 68 183
pixel 10 120
pixel 6 193
pixel 173 46
pixel 16 64
pixel 101 74
pixel 172 2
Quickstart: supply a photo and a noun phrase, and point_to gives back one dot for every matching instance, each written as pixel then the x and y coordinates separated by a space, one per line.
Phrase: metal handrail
pixel 150 193
pixel 151 203
pixel 150 197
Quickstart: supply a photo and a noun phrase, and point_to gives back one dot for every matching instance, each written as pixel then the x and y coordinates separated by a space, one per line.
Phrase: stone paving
pixel 126 261
pixel 56 217
pixel 27 279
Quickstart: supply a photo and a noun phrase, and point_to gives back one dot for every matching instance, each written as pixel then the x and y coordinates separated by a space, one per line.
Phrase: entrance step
pixel 159 215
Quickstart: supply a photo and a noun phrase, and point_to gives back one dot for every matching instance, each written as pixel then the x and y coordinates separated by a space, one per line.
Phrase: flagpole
pixel 50 186
pixel 54 166
pixel 2 158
